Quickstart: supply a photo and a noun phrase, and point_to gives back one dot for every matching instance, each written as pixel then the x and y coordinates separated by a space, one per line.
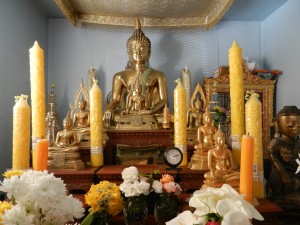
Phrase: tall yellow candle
pixel 21 134
pixel 180 120
pixel 246 170
pixel 236 98
pixel 41 155
pixel 253 114
pixel 37 81
pixel 96 125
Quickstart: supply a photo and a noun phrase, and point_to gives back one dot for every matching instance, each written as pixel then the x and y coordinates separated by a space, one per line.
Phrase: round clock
pixel 173 157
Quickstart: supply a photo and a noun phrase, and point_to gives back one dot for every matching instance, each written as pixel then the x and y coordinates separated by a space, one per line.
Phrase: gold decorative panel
pixel 152 13
pixel 265 89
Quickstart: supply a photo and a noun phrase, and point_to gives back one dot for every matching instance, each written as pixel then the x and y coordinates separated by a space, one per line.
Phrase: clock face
pixel 173 156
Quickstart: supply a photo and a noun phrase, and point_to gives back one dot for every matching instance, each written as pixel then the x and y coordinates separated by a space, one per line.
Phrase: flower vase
pixel 166 208
pixel 135 211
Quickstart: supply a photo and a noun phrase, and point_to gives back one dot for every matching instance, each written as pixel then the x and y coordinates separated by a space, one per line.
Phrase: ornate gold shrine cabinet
pixel 263 87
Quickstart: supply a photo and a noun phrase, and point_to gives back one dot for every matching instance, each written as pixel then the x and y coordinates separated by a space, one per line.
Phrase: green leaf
pixel 88 219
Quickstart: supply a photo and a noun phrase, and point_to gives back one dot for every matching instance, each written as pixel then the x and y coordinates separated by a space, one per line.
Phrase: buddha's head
pixel 138 45
pixel 220 137
pixel 82 104
pixel 198 104
pixel 67 122
pixel 288 122
pixel 207 117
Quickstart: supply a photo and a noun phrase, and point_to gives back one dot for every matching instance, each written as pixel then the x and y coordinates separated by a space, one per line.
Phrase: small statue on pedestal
pixel 220 164
pixel 283 184
pixel 206 141
pixel 64 153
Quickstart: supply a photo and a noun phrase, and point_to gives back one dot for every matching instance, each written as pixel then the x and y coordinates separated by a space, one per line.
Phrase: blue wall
pixel 21 23
pixel 281 50
pixel 72 51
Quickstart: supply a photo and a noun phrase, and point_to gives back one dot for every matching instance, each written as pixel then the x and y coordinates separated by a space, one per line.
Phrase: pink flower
pixel 166 178
pixel 212 223
pixel 172 187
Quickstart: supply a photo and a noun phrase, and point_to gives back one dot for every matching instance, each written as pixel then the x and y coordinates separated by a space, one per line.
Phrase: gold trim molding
pixel 153 13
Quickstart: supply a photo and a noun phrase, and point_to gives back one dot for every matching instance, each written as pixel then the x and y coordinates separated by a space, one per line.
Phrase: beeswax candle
pixel 41 155
pixel 246 169
pixel 21 134
pixel 180 120
pixel 96 125
pixel 253 114
pixel 236 96
pixel 37 81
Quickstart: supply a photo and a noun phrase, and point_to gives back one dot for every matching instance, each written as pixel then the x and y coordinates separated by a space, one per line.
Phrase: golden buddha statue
pixel 153 85
pixel 205 141
pixel 64 153
pixel 137 101
pixel 220 164
pixel 283 184
pixel 195 116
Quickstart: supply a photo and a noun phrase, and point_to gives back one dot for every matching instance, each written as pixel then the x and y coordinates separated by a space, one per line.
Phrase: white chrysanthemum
pixel 157 186
pixel 130 174
pixel 43 197
pixel 17 215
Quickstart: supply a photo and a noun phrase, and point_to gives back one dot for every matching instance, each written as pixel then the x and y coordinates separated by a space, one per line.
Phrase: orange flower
pixel 166 178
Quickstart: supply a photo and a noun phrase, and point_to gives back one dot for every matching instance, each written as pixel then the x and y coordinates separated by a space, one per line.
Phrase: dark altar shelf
pixel 77 181
pixel 188 179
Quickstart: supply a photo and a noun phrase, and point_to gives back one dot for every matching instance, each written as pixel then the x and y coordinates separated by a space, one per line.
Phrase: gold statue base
pixel 199 161
pixel 137 122
pixel 233 179
pixel 65 160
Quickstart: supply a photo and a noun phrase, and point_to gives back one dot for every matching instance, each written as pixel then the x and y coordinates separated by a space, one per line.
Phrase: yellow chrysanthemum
pixel 10 173
pixel 4 206
pixel 105 196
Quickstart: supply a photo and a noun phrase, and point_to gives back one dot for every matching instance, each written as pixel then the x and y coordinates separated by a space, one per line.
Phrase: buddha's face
pixel 66 123
pixel 220 141
pixel 139 51
pixel 81 104
pixel 289 125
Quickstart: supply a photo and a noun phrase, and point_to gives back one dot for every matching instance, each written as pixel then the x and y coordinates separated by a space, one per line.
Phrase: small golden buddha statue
pixel 195 115
pixel 137 101
pixel 220 164
pixel 283 183
pixel 81 121
pixel 153 85
pixel 64 153
pixel 205 141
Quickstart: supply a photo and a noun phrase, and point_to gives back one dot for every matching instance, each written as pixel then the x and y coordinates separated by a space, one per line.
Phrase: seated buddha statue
pixel 64 153
pixel 137 101
pixel 81 121
pixel 283 184
pixel 205 141
pixel 195 115
pixel 152 82
pixel 220 164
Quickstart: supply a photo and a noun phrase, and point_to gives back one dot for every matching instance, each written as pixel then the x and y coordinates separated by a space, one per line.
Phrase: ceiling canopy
pixel 152 13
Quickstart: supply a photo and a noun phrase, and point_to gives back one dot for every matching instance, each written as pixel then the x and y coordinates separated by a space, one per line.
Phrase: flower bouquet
pixel 105 200
pixel 217 206
pixel 134 188
pixel 167 206
pixel 37 198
